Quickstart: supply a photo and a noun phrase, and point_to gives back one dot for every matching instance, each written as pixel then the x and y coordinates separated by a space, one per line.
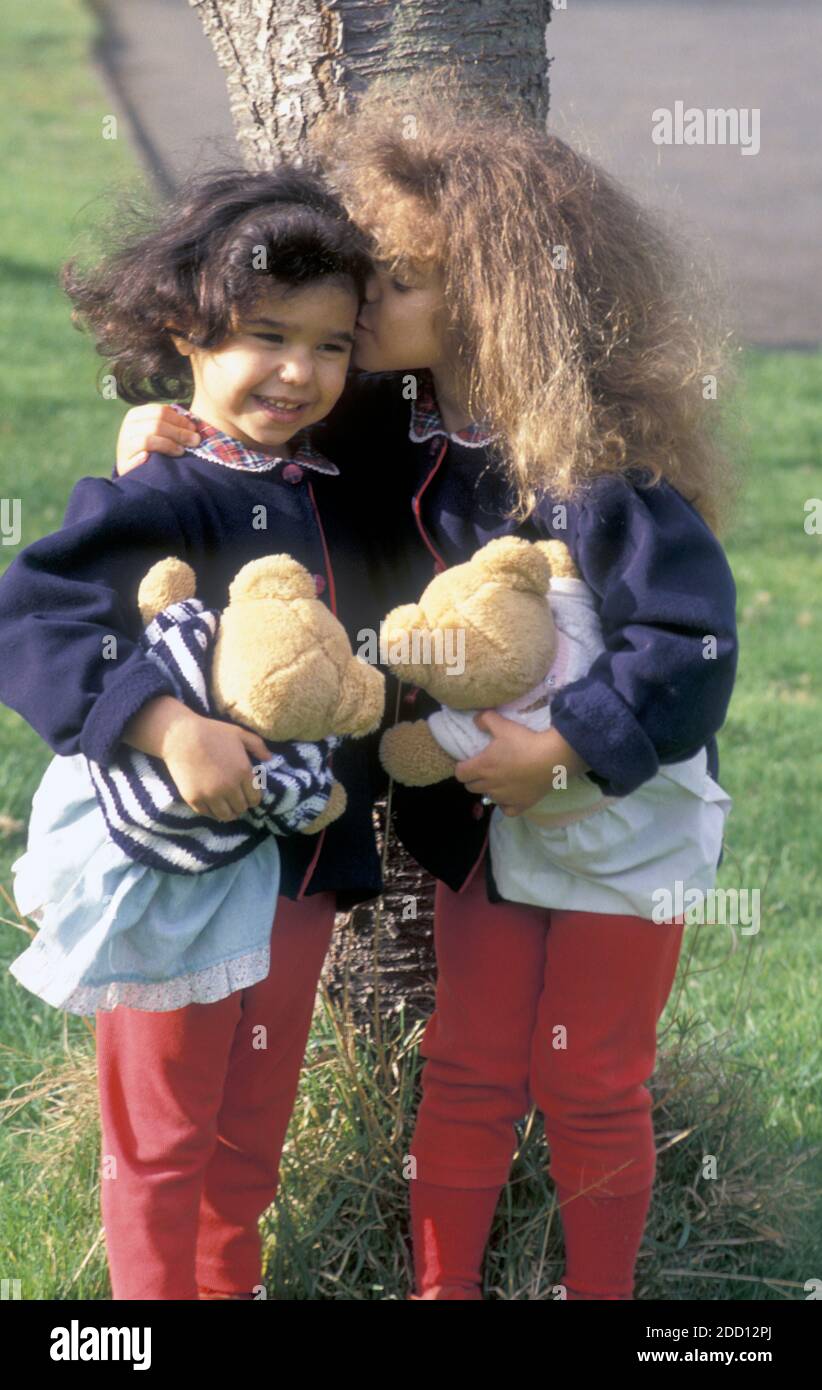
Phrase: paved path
pixel 165 81
pixel 615 62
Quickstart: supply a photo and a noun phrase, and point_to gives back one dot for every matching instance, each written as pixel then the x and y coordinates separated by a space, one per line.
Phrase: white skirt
pixel 623 858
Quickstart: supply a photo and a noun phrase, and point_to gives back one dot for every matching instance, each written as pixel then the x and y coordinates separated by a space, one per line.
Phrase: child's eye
pixel 398 285
pixel 278 338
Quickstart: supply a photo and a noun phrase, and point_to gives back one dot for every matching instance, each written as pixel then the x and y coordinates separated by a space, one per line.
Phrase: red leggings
pixel 554 1008
pixel 195 1102
pixel 194 1105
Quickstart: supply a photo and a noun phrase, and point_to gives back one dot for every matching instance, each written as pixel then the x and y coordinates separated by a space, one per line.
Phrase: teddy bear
pixel 517 651
pixel 281 663
pixel 531 630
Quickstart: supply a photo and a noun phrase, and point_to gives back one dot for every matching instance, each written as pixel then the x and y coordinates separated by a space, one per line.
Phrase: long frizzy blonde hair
pixel 583 333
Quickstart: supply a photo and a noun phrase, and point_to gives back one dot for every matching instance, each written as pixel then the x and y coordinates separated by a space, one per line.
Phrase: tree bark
pixel 381 958
pixel 286 62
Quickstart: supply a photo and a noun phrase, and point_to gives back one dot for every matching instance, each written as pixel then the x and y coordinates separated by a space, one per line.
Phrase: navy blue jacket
pixel 661 577
pixel 63 594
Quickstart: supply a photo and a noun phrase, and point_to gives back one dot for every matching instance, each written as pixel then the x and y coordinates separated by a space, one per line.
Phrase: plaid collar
pixel 217 447
pixel 426 420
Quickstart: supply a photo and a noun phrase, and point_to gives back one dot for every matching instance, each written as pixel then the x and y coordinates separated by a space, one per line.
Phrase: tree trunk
pixel 286 62
pixel 386 945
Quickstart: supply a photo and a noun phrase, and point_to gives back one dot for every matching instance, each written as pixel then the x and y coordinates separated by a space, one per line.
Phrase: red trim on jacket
pixel 415 506
pixel 479 861
pixel 332 594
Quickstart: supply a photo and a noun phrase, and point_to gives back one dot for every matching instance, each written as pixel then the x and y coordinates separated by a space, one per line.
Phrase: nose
pixel 297 368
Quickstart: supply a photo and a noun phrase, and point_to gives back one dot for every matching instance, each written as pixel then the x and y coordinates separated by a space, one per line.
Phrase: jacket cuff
pixel 604 732
pixel 121 699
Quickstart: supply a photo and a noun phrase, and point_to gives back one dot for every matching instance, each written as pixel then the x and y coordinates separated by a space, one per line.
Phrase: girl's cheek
pixel 258 365
pixel 371 357
pixel 332 377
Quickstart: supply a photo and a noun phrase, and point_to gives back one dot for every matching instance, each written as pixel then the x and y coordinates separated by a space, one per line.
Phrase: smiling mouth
pixel 282 404
pixel 282 410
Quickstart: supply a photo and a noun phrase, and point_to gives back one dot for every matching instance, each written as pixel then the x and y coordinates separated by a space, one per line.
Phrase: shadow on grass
pixel 25 273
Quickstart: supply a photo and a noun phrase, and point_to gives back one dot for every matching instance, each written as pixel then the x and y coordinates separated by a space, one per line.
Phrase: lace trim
pixel 201 987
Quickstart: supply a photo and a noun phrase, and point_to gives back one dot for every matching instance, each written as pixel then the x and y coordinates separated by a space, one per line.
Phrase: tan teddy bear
pixel 497 604
pixel 282 664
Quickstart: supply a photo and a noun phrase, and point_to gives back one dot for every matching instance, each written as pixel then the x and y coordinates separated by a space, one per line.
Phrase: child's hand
pixel 152 429
pixel 517 768
pixel 208 759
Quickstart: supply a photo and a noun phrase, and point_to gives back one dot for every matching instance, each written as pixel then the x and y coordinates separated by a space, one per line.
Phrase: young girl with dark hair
pixel 543 365
pixel 241 300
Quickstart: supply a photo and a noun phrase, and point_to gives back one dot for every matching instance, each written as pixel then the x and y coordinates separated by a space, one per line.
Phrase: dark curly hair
pixel 195 263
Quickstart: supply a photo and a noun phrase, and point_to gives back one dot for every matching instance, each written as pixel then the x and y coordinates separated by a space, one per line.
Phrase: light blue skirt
pixel 114 931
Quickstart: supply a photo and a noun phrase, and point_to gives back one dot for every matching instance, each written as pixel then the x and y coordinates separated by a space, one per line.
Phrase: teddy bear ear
pixel 397 624
pixel 559 558
pixel 514 561
pixel 397 632
pixel 272 576
pixel 167 582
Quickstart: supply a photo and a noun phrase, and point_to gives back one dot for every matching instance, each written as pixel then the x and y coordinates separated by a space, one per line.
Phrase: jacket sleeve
pixel 62 601
pixel 667 599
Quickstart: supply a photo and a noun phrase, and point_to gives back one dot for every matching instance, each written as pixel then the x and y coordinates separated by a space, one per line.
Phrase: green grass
pixel 54 424
pixel 739 1075
pixel 54 428
pixel 770 746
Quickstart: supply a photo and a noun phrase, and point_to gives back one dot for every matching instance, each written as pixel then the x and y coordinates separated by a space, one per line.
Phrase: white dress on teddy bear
pixel 578 849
